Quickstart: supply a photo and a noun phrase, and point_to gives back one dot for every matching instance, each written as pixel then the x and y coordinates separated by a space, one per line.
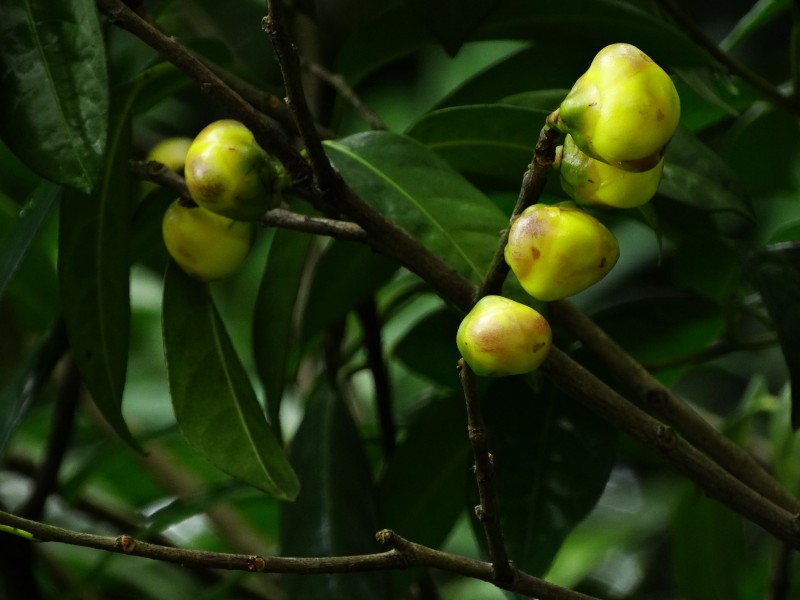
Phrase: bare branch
pixel 334 228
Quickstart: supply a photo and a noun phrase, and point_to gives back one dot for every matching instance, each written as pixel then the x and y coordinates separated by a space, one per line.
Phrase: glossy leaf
pixel 775 273
pixel 695 175
pixel 93 269
pixel 552 459
pixel 347 274
pixel 15 245
pixel 761 13
pixel 704 264
pixel 493 142
pixel 215 405
pixel 274 313
pixel 335 513
pixel 429 349
pixel 54 105
pixel 419 191
pixel 449 22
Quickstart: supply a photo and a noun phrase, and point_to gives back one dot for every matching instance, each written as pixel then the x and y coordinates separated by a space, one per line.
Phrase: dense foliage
pixel 312 400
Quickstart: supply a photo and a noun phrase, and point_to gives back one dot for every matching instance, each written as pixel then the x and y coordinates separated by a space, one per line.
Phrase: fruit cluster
pixel 233 182
pixel 617 121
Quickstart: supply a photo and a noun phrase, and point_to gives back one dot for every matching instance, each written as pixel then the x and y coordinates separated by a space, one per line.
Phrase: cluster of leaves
pixel 350 357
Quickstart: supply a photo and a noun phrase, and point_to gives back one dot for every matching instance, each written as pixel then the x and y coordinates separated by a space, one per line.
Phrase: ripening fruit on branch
pixel 206 245
pixel 171 152
pixel 623 110
pixel 502 337
pixel 228 173
pixel 558 251
pixel 594 183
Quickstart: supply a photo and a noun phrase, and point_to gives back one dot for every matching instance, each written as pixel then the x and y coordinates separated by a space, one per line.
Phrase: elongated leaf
pixel 449 22
pixel 215 405
pixel 345 276
pixel 775 273
pixel 15 245
pixel 93 270
pixel 335 513
pixel 54 105
pixel 761 13
pixel 28 379
pixel 274 313
pixel 552 459
pixel 419 191
pixel 493 142
pixel 429 349
pixel 695 175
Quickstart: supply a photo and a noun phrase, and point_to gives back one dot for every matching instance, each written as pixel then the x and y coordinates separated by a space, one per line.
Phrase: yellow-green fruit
pixel 594 183
pixel 206 245
pixel 623 110
pixel 502 337
pixel 228 173
pixel 558 251
pixel 171 152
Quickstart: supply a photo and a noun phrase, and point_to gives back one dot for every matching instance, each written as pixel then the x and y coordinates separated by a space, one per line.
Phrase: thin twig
pixel 343 230
pixel 158 173
pixel 340 84
pixel 734 66
pixel 661 401
pixel 403 555
pixel 721 349
pixel 487 512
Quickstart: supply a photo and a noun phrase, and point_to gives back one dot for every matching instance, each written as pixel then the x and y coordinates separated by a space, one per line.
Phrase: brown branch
pixel 661 401
pixel 340 84
pixel 487 511
pixel 158 173
pixel 403 555
pixel 334 228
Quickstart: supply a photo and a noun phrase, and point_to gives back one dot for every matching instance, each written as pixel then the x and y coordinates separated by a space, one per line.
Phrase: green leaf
pixel 695 175
pixel 435 454
pixel 546 100
pixel 708 549
pixel 338 287
pixel 93 269
pixel 490 142
pixel 705 264
pixel 419 191
pixel 215 405
pixel 28 379
pixel 274 313
pixel 429 349
pixel 335 513
pixel 552 460
pixel 14 247
pixel 449 21
pixel 761 13
pixel 775 273
pixel 54 105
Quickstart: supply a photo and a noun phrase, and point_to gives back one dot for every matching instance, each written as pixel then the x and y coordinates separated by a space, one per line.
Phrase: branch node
pixel 480 513
pixel 125 543
pixel 256 564
pixel 666 436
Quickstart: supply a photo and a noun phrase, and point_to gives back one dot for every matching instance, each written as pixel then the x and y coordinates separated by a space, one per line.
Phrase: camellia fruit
pixel 171 152
pixel 206 245
pixel 228 173
pixel 594 183
pixel 502 337
pixel 558 251
pixel 623 110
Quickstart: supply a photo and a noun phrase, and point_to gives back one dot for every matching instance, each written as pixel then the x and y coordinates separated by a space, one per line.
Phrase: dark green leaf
pixel 695 175
pixel 28 379
pixel 419 191
pixel 16 243
pixel 429 349
pixel 336 513
pixel 274 313
pixel 708 549
pixel 93 269
pixel 704 264
pixel 492 141
pixel 215 405
pixel 552 460
pixel 546 100
pixel 346 275
pixel 449 20
pixel 54 105
pixel 761 13
pixel 775 273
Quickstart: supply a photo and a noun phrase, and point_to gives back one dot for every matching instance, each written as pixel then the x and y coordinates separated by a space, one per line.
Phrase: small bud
pixel 502 337
pixel 557 251
pixel 594 183
pixel 623 110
